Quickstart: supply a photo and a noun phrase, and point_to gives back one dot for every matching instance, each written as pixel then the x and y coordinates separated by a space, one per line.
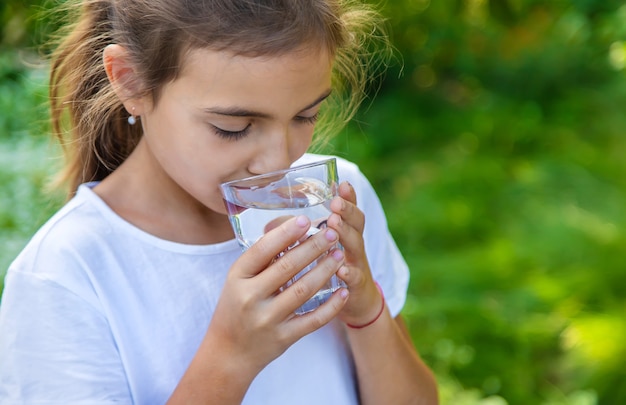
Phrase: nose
pixel 273 153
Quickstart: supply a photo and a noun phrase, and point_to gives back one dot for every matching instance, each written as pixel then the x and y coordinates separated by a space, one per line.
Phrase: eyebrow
pixel 242 112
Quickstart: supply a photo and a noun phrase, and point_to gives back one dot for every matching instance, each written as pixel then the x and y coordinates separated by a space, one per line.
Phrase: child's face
pixel 227 117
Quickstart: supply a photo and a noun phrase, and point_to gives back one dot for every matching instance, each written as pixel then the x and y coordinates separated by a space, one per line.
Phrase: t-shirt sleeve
pixel 55 347
pixel 388 266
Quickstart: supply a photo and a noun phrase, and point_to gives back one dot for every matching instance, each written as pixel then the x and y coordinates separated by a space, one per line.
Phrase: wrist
pixel 213 376
pixel 378 314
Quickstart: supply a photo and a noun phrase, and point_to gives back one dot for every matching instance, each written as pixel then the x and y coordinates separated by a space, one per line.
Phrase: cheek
pixel 179 141
pixel 300 142
pixel 188 154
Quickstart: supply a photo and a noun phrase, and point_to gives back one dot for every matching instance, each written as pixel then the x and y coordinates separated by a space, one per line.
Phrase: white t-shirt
pixel 97 311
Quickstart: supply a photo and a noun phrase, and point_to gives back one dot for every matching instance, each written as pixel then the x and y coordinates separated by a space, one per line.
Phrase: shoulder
pixel 77 219
pixel 59 248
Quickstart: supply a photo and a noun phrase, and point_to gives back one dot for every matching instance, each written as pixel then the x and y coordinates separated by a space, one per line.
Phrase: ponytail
pixel 87 117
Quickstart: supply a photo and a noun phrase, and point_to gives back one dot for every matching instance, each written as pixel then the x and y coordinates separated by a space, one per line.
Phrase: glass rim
pixel 279 172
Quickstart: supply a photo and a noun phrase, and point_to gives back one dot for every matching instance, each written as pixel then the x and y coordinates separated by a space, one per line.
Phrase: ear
pixel 123 78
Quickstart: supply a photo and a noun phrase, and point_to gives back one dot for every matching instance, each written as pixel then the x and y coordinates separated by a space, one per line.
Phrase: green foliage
pixel 496 147
pixel 27 158
pixel 25 22
pixel 498 153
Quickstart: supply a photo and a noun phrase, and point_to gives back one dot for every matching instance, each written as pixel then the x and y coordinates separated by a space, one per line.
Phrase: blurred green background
pixel 496 143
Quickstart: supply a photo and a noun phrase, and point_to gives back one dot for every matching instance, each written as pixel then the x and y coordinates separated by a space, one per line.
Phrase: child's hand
pixel 349 222
pixel 252 322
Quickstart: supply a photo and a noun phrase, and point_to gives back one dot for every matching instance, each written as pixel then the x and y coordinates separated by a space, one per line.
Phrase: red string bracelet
pixel 382 308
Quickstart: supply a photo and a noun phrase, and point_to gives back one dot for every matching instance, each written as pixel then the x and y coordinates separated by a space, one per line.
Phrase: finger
pixel 312 321
pixel 353 276
pixel 348 214
pixel 310 283
pixel 348 211
pixel 299 257
pixel 346 191
pixel 350 237
pixel 274 223
pixel 270 245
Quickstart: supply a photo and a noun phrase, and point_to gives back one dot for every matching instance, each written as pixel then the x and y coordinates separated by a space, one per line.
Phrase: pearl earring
pixel 132 120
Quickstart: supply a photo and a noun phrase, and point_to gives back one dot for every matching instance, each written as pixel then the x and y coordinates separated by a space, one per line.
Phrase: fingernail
pixel 302 221
pixel 331 235
pixel 338 255
pixel 344 293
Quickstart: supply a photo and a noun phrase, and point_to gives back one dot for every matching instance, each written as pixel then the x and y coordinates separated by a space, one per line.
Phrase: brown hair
pixel 90 120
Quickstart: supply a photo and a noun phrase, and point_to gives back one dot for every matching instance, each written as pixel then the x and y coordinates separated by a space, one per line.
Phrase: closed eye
pixel 308 120
pixel 231 135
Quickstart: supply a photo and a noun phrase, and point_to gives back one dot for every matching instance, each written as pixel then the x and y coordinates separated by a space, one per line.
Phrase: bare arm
pixel 388 367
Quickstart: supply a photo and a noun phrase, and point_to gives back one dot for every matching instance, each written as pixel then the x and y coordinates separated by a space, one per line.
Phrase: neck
pixel 144 195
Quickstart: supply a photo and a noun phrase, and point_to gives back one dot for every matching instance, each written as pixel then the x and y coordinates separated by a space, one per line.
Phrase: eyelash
pixel 231 135
pixel 236 135
pixel 308 120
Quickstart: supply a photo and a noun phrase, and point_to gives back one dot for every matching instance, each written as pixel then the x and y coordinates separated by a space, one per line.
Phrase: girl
pixel 136 292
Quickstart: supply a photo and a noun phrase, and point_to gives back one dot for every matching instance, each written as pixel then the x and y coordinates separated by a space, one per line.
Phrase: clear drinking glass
pixel 256 204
